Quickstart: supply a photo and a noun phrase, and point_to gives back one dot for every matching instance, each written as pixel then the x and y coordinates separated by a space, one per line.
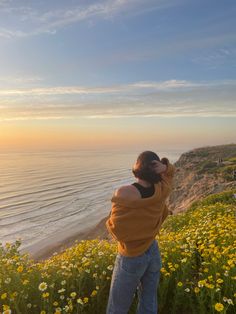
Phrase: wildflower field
pixel 198 272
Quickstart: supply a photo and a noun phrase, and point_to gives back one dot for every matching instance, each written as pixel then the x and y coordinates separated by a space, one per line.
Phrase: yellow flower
pixel 4 296
pixel 25 282
pixel 7 245
pixel 73 294
pixel 45 294
pixel 179 284
pixel 219 307
pixel 20 269
pixel 230 262
pixel 43 312
pixel 219 280
pixel 209 285
pixel 80 301
pixel 55 303
pixel 94 293
pixel 86 300
pixel 201 283
pixel 196 290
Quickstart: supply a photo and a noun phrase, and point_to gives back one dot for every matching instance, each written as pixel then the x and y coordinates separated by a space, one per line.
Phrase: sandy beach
pixel 46 248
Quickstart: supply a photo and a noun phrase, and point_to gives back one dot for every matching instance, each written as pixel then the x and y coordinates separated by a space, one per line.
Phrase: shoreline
pixel 97 231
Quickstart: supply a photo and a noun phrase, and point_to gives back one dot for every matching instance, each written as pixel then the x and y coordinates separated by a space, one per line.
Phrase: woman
pixel 138 210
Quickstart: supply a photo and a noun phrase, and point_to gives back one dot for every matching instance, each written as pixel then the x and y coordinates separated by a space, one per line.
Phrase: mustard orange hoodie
pixel 135 223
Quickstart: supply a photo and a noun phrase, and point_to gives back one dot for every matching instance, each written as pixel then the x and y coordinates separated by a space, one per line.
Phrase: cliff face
pixel 200 172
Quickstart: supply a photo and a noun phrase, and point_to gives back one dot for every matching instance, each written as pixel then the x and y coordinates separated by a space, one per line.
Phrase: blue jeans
pixel 141 272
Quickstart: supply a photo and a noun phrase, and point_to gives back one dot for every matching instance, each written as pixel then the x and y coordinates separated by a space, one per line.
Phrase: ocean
pixel 56 193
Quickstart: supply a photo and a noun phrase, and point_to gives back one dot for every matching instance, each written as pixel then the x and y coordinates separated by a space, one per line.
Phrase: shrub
pixel 207 166
pixel 227 172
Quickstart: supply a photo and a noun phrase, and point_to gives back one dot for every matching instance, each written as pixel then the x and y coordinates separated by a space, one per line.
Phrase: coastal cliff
pixel 199 173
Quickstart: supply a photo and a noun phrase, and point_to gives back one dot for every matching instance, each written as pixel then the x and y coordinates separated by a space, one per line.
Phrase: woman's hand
pixel 158 166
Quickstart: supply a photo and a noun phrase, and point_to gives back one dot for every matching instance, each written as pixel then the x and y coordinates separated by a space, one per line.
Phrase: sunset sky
pixel 117 74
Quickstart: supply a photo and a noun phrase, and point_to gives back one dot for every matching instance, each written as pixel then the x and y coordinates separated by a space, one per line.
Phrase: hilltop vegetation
pixel 198 268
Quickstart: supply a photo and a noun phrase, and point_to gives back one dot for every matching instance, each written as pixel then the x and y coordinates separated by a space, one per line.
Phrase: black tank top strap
pixel 145 191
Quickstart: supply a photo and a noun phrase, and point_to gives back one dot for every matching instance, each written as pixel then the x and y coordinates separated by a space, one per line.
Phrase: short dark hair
pixel 143 167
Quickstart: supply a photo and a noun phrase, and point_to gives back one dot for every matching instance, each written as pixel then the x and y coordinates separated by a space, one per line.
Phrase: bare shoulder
pixel 128 191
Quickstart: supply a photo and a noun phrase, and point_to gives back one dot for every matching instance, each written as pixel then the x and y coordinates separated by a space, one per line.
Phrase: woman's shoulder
pixel 128 192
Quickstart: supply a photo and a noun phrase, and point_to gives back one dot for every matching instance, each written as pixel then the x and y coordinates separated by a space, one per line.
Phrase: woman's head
pixel 143 168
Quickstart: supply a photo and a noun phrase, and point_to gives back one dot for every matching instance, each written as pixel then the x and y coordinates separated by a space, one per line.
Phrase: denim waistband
pixel 152 247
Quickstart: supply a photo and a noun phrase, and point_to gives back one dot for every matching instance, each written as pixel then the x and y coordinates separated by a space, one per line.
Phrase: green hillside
pixel 197 276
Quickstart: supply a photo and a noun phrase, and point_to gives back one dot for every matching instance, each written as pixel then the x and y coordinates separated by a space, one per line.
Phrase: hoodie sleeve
pixel 168 174
pixel 114 224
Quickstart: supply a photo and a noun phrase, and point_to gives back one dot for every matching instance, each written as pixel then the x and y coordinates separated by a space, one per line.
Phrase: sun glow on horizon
pixel 109 133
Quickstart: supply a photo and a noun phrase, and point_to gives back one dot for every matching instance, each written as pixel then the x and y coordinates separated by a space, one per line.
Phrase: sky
pixel 122 74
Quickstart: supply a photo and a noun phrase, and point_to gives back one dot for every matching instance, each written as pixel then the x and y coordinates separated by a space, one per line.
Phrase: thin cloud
pixel 170 84
pixel 124 115
pixel 111 111
pixel 166 48
pixel 7 33
pixel 217 58
pixel 173 98
pixel 57 18
pixel 20 79
pixel 137 86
